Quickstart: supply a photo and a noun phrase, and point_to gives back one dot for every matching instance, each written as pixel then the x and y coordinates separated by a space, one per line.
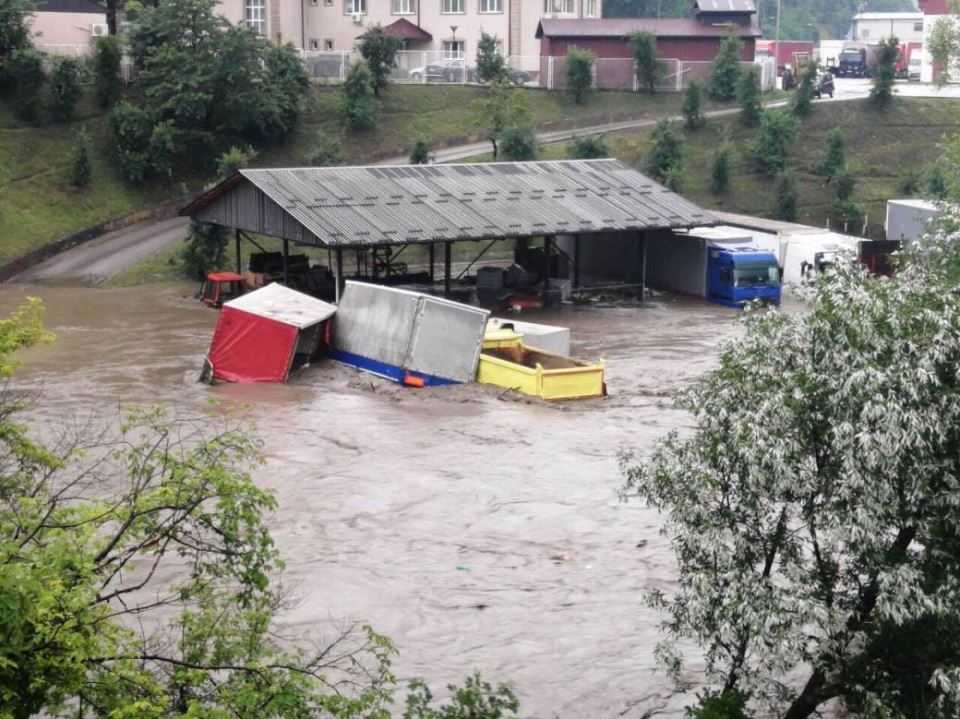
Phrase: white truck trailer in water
pixel 907 219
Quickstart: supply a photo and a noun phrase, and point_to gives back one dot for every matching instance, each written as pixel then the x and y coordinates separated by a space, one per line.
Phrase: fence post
pixel 550 72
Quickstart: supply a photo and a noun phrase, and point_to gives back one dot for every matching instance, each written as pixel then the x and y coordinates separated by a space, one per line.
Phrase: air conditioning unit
pixel 358 18
pixel 99 29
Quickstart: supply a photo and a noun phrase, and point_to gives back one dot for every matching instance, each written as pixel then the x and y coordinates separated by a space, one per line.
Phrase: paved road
pixel 97 261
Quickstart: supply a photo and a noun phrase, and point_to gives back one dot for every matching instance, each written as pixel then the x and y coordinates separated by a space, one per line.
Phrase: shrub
pixel 205 249
pixel 65 88
pixel 328 151
pixel 234 159
pixel 729 704
pixel 771 147
pixel 692 101
pixel 802 102
pixel 518 143
pixel 420 153
pixel 107 55
pixel 785 197
pixel 721 165
pixel 748 95
pixel 674 179
pixel 849 214
pixel 144 146
pixel 25 68
pixel 14 31
pixel 649 65
pixel 579 72
pixel 884 74
pixel 491 65
pixel 846 182
pixel 81 169
pixel 726 70
pixel 358 106
pixel 588 148
pixel 835 154
pixel 667 153
pixel 476 699
pixel 380 52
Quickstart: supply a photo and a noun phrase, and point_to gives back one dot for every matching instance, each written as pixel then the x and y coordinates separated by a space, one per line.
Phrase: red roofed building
pixel 934 7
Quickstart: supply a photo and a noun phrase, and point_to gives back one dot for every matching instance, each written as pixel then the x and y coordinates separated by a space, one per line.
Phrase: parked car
pixel 449 70
pixel 823 85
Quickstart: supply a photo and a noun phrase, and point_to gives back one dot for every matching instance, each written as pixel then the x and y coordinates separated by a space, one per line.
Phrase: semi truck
pixel 858 59
pixel 784 52
pixel 719 265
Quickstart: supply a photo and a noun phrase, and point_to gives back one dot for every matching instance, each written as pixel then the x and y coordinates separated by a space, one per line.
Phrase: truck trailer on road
pixel 720 265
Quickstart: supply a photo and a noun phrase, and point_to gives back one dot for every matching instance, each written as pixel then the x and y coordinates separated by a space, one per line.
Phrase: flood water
pixel 477 529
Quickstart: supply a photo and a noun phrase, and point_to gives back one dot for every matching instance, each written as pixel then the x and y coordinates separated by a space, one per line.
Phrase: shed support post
pixel 286 262
pixel 446 269
pixel 547 246
pixel 236 238
pixel 431 248
pixel 576 262
pixel 643 274
pixel 339 273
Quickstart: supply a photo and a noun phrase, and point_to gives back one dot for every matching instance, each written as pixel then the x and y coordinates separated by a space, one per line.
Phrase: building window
pixel 453 7
pixel 404 7
pixel 314 44
pixel 864 33
pixel 328 3
pixel 328 44
pixel 558 7
pixel 589 8
pixel 918 27
pixel 491 6
pixel 355 7
pixel 453 49
pixel 255 14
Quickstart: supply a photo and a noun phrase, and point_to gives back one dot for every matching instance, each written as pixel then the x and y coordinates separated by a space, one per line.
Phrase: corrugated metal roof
pixel 282 304
pixel 763 224
pixel 726 6
pixel 350 206
pixel 622 27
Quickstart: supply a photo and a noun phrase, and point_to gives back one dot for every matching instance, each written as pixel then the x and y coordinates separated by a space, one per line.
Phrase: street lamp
pixel 454 53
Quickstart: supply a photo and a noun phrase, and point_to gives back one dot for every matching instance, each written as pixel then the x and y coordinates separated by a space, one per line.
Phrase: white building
pixel 67 27
pixel 876 26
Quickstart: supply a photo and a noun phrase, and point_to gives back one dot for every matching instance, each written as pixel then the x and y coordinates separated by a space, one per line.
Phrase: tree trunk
pixel 810 698
pixel 112 17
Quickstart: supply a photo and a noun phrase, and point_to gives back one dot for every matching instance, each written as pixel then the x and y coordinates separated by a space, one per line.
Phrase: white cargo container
pixel 907 219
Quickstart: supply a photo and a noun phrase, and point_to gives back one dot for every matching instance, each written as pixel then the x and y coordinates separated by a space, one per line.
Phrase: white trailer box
pixel 906 219
pixel 549 338
pixel 678 262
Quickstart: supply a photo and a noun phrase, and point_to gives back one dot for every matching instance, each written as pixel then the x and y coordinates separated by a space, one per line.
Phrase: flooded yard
pixel 479 529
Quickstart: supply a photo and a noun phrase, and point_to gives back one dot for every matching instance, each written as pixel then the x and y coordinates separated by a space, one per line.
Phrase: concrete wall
pixel 63 28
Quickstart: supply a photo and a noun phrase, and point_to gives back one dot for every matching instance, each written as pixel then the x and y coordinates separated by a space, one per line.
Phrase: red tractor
pixel 220 287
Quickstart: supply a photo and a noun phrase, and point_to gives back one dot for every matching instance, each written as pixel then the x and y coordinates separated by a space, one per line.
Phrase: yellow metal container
pixel 538 373
pixel 495 338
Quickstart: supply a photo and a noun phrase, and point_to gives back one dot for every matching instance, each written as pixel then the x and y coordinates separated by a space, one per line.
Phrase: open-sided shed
pixel 358 208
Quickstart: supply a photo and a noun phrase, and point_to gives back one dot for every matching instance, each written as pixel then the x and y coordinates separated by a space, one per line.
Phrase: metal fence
pixel 128 69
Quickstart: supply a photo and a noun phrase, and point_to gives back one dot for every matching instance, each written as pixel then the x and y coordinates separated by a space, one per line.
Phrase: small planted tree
pixel 748 95
pixel 802 102
pixel 476 699
pixel 835 154
pixel 420 152
pixel 846 182
pixel 81 168
pixel 785 197
pixel 491 65
pixel 107 56
pixel 726 70
pixel 358 103
pixel 579 73
pixel 327 152
pixel 205 249
pixel 65 88
pixel 884 74
pixel 692 103
pixel 379 50
pixel 648 63
pixel 14 31
pixel 668 152
pixel 518 143
pixel 234 159
pixel 771 147
pixel 588 148
pixel 28 78
pixel 502 107
pixel 721 169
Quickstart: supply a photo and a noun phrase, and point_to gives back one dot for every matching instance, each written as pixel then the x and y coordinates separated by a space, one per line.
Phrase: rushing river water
pixel 477 529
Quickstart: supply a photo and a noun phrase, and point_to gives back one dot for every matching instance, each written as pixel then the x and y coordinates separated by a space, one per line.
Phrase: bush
pixel 849 214
pixel 65 88
pixel 729 704
pixel 328 151
pixel 234 159
pixel 491 65
pixel 588 148
pixel 846 183
pixel 835 154
pixel 144 146
pixel 726 70
pixel 785 197
pixel 25 68
pixel 358 106
pixel 81 169
pixel 692 101
pixel 579 72
pixel 668 152
pixel 380 52
pixel 518 143
pixel 107 55
pixel 884 74
pixel 205 249
pixel 748 95
pixel 771 147
pixel 674 179
pixel 721 165
pixel 802 102
pixel 420 153
pixel 477 699
pixel 14 31
pixel 649 64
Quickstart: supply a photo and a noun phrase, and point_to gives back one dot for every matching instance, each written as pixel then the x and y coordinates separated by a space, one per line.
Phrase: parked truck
pixel 858 59
pixel 907 219
pixel 784 51
pixel 720 265
pixel 909 51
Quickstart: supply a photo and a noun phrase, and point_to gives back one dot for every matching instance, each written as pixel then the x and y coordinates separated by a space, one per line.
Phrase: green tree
pixel 81 169
pixel 649 66
pixel 420 152
pixel 812 505
pixel 379 50
pixel 92 530
pixel 748 95
pixel 771 147
pixel 518 143
pixel 668 152
pixel 28 80
pixel 65 88
pixel 358 103
pixel 849 214
pixel 234 159
pixel 588 148
pixel 328 151
pixel 785 197
pixel 692 105
pixel 107 56
pixel 801 104
pixel 579 73
pixel 835 155
pixel 944 47
pixel 721 169
pixel 881 87
pixel 846 182
pixel 729 704
pixel 476 699
pixel 14 33
pixel 501 107
pixel 204 249
pixel 491 65
pixel 726 70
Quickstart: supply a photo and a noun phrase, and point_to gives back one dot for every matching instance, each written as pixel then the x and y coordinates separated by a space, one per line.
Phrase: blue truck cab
pixel 737 275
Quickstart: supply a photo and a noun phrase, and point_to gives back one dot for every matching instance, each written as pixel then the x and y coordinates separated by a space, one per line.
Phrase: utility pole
pixel 777 54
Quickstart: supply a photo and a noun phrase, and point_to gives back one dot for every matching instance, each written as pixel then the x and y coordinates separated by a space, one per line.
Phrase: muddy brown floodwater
pixel 478 530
